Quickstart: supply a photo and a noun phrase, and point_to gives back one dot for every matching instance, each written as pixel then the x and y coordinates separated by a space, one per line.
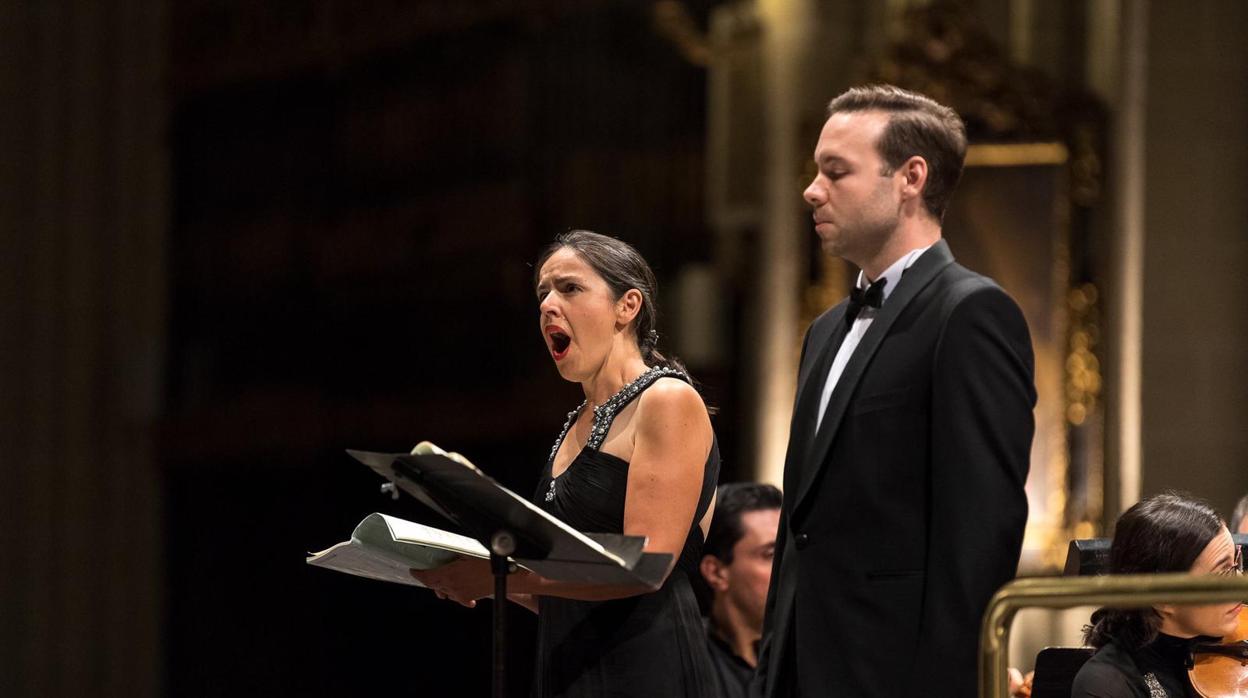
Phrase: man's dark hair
pixel 732 501
pixel 917 125
pixel 1164 533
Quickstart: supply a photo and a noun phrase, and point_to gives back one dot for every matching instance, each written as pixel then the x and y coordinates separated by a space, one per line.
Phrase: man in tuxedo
pixel 904 506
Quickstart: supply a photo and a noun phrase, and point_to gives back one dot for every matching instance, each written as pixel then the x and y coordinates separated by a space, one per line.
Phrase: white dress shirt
pixel 861 323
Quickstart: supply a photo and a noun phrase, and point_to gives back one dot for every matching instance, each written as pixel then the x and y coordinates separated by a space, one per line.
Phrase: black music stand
pixel 512 528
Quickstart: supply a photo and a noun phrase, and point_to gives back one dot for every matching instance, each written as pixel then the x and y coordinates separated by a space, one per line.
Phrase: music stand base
pixel 501 545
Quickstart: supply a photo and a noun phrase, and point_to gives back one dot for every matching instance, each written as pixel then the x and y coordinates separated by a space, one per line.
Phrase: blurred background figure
pixel 1239 518
pixel 1020 684
pixel 736 566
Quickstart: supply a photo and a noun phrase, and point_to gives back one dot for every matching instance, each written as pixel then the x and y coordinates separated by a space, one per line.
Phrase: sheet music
pixel 409 532
pixel 385 548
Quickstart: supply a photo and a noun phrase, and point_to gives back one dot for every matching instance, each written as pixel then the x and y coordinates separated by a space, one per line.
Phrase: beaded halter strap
pixel 604 414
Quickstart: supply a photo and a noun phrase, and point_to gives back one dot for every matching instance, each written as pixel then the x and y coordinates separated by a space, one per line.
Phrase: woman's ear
pixel 627 307
pixel 1165 610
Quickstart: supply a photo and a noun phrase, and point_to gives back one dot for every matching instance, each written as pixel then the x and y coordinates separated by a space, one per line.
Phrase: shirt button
pixel 802 540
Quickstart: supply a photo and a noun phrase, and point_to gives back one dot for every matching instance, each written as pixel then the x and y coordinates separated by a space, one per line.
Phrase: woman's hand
pixel 462 581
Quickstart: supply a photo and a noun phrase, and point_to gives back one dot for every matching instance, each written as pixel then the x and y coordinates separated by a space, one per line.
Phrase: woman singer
pixel 637 457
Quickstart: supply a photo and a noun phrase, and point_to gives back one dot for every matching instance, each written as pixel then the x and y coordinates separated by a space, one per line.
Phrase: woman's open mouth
pixel 559 343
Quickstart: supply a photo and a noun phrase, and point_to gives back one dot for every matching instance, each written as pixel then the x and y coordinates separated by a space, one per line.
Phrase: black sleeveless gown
pixel 647 645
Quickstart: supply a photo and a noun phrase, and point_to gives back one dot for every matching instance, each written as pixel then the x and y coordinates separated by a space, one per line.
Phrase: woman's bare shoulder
pixel 671 396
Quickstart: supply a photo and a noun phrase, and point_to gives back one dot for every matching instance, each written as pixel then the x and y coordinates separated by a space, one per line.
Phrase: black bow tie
pixel 872 296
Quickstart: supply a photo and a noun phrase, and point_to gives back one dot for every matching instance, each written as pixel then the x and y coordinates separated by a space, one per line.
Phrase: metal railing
pixel 1121 591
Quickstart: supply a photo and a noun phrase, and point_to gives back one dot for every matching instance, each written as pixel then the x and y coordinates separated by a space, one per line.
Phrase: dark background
pixel 351 247
pixel 239 237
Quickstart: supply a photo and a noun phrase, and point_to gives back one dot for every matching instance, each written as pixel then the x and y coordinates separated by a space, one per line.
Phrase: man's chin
pixel 831 246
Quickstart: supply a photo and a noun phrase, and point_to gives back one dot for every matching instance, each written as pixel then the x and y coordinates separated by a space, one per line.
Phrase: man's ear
pixel 914 177
pixel 715 572
pixel 627 307
pixel 1165 610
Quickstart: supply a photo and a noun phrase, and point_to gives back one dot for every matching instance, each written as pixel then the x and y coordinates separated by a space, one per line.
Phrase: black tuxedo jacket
pixel 905 511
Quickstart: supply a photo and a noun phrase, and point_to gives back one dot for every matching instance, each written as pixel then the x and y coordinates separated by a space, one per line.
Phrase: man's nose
pixel 814 194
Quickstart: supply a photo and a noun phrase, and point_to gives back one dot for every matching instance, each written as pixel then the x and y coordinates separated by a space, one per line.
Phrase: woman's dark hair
pixel 1164 533
pixel 623 268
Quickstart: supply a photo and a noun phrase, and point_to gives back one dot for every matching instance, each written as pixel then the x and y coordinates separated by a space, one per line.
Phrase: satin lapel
pixel 912 281
pixel 811 389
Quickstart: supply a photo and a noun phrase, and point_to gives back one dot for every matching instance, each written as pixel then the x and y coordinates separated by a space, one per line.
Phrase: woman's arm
pixel 529 601
pixel 468 580
pixel 671 442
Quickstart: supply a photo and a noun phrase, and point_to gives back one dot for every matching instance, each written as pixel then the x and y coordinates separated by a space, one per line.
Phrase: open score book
pixel 386 548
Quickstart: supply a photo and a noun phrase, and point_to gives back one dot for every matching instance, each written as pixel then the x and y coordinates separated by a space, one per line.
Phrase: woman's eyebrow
pixel 563 278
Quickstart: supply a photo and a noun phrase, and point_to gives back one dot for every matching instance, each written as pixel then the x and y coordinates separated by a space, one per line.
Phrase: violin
pixel 1220 670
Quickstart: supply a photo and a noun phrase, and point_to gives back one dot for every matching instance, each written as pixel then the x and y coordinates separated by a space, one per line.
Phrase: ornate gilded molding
pixel 1017 116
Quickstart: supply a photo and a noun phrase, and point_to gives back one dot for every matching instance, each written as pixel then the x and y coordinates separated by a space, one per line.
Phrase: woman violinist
pixel 1145 653
pixel 638 457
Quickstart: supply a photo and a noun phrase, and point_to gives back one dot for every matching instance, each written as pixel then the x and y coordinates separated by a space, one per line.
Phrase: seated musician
pixel 1144 652
pixel 736 569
